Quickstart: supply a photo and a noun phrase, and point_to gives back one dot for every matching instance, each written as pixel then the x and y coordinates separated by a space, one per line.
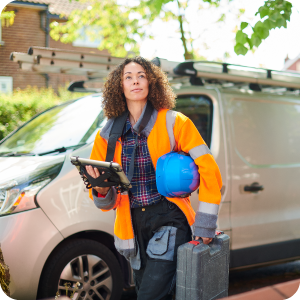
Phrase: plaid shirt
pixel 144 191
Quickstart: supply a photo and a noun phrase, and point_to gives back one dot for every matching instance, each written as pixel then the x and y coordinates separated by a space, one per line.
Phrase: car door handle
pixel 253 188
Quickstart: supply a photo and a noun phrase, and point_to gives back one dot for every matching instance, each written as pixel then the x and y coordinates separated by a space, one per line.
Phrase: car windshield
pixel 63 126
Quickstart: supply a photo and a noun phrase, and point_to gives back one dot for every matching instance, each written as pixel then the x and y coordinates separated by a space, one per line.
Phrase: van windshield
pixel 62 127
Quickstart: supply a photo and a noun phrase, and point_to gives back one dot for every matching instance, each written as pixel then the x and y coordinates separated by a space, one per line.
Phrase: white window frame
pixel 7 81
pixel 1 42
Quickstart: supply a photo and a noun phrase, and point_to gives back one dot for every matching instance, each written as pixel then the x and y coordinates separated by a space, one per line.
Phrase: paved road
pixel 247 280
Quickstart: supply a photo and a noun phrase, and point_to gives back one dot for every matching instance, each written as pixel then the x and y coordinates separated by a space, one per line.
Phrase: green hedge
pixel 22 105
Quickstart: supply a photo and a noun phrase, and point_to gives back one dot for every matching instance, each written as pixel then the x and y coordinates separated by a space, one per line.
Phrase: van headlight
pixel 19 194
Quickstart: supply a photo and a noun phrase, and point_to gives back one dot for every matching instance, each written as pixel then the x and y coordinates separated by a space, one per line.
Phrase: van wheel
pixel 87 263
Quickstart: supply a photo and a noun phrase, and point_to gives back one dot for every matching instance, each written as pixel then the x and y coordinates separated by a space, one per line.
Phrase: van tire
pixel 83 254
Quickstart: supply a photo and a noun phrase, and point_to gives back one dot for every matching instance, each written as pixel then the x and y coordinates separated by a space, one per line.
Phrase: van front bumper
pixel 27 239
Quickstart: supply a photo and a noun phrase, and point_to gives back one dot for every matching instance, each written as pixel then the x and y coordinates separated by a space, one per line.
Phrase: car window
pixel 199 109
pixel 65 125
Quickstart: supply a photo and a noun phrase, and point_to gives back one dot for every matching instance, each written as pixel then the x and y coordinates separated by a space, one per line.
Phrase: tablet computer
pixel 102 166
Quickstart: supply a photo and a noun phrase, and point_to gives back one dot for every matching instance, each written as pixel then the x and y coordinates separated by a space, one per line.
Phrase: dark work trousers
pixel 159 230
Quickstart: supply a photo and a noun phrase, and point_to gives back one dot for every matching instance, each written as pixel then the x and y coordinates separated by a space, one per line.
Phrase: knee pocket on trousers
pixel 162 244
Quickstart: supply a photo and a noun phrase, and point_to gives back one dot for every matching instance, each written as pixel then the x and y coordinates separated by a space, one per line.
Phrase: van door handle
pixel 253 188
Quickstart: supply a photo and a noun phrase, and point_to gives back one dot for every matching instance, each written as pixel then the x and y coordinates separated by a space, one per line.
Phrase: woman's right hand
pixel 94 172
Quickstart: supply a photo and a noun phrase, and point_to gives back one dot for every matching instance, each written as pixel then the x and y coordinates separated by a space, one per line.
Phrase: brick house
pixel 31 28
pixel 292 64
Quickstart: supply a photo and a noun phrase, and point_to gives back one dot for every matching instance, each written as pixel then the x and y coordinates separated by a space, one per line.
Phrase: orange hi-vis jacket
pixel 166 131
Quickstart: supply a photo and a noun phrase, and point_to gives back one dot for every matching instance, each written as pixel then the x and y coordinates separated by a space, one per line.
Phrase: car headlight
pixel 19 194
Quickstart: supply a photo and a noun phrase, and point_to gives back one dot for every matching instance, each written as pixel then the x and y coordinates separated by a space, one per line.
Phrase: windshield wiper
pixel 61 149
pixel 18 154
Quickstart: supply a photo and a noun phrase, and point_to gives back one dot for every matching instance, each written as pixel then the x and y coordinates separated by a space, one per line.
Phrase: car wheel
pixel 85 263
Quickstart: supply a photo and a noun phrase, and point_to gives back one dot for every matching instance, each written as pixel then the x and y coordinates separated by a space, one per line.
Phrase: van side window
pixel 199 109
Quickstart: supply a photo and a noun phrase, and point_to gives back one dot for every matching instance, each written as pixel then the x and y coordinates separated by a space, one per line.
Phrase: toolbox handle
pixel 196 243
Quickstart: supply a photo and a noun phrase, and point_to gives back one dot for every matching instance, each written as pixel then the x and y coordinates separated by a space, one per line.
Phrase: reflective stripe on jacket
pixel 167 131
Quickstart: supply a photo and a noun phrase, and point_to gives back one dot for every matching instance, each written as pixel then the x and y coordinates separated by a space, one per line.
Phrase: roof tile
pixel 60 7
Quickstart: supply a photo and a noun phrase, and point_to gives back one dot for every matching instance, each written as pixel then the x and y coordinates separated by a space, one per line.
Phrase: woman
pixel 149 227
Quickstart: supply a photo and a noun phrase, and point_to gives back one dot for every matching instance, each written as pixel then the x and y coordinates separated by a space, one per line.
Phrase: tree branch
pixel 187 54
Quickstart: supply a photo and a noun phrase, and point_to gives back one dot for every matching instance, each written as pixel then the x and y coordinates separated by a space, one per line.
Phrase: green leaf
pixel 240 49
pixel 288 6
pixel 259 24
pixel 281 22
pixel 269 24
pixel 157 4
pixel 263 11
pixel 241 37
pixel 274 16
pixel 244 25
pixel 250 43
pixel 255 39
pixel 287 16
pixel 261 30
pixel 280 7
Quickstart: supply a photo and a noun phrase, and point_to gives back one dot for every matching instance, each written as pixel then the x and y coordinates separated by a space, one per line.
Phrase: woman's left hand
pixel 205 240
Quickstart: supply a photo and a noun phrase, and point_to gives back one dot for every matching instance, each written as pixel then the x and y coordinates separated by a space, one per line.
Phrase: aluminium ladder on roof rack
pixel 237 73
pixel 49 60
pixel 97 66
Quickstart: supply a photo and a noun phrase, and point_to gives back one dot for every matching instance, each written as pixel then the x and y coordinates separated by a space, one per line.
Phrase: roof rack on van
pixel 97 66
pixel 86 86
pixel 218 72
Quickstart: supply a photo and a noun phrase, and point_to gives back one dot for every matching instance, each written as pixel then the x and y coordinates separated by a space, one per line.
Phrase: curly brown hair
pixel 160 92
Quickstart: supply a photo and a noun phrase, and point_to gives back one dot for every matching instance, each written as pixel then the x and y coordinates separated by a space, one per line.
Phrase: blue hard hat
pixel 176 175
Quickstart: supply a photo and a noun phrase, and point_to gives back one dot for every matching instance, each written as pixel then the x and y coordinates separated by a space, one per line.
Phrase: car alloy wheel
pixel 91 275
pixel 85 268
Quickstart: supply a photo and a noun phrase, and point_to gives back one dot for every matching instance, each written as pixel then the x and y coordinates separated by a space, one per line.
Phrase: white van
pixel 52 234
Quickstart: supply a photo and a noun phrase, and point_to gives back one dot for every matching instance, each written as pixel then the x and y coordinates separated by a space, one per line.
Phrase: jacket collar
pixel 105 131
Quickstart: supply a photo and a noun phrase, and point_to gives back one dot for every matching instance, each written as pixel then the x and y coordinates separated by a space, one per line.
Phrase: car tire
pixel 88 262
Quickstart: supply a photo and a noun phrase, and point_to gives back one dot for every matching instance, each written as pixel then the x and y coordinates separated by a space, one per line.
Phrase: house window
pixel 6 84
pixel 86 41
